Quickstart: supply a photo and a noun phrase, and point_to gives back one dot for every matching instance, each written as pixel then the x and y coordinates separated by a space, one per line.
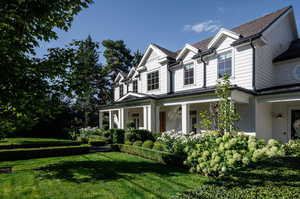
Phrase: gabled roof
pixel 166 51
pixel 121 74
pixel 291 53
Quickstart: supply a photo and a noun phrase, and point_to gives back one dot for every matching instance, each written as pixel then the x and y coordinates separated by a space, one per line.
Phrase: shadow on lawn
pixel 91 170
pixel 279 172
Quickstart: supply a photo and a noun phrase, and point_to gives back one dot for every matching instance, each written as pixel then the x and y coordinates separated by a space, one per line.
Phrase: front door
pixel 295 124
pixel 162 121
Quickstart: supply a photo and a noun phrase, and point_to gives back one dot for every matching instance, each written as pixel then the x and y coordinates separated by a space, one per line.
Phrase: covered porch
pixel 176 113
pixel 278 116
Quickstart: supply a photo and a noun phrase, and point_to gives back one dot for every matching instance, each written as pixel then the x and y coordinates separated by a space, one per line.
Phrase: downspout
pixel 253 65
pixel 171 80
pixel 204 71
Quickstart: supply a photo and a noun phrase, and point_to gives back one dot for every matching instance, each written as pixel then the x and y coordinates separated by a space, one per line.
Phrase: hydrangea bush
pixel 292 148
pixel 217 154
pixel 176 142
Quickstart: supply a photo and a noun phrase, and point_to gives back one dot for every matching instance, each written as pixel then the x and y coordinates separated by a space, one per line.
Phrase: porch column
pixel 122 118
pixel 185 117
pixel 110 118
pixel 145 116
pixel 151 117
pixel 100 120
pixel 157 119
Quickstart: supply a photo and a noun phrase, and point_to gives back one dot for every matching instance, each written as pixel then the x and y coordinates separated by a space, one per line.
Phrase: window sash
pixel 153 80
pixel 225 64
pixel 135 86
pixel 121 91
pixel 188 74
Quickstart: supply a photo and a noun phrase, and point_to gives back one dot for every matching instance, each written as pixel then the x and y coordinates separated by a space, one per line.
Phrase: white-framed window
pixel 188 74
pixel 135 86
pixel 225 64
pixel 153 80
pixel 121 90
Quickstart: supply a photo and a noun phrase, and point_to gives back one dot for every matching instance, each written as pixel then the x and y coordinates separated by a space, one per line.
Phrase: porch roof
pixel 186 93
pixel 289 88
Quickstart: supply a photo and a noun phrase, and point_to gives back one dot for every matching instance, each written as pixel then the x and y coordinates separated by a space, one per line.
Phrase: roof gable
pixel 186 49
pixel 150 49
pixel 223 32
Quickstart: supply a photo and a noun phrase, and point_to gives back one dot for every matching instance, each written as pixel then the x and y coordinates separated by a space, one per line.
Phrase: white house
pixel 167 90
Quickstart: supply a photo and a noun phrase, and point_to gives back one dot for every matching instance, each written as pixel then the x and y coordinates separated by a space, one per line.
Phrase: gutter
pixel 253 65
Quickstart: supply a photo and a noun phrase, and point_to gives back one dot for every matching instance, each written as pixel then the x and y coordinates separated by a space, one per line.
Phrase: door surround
pixel 289 122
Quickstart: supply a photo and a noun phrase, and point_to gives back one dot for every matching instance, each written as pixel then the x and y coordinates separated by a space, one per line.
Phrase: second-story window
pixel 225 64
pixel 188 74
pixel 153 80
pixel 121 91
pixel 135 86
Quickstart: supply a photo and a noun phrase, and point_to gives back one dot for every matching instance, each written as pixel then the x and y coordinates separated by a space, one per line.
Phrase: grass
pixel 103 175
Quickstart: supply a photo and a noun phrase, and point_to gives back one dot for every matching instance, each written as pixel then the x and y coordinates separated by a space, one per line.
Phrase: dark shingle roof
pixel 166 51
pixel 291 53
pixel 250 28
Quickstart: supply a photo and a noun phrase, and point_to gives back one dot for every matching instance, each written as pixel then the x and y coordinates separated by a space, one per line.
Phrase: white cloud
pixel 206 26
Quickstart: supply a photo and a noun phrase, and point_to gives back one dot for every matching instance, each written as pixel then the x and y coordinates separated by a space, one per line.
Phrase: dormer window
pixel 135 86
pixel 153 80
pixel 188 74
pixel 121 90
pixel 225 64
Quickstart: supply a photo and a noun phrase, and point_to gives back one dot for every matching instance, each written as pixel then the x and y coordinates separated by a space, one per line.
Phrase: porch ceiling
pixel 290 97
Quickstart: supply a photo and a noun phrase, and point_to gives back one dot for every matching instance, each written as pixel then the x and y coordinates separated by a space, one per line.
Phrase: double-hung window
pixel 135 86
pixel 153 80
pixel 188 74
pixel 121 90
pixel 225 64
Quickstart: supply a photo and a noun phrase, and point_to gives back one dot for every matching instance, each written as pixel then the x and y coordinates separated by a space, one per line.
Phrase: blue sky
pixel 168 23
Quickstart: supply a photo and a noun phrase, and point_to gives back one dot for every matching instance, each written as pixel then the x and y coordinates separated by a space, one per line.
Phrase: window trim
pixel 232 63
pixel 154 71
pixel 185 64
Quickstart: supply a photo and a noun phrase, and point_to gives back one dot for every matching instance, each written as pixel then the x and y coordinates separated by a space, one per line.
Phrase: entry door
pixel 295 124
pixel 162 121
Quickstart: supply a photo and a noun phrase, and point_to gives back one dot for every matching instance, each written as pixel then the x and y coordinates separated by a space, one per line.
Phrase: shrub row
pixel 40 144
pixel 158 156
pixel 29 153
pixel 212 191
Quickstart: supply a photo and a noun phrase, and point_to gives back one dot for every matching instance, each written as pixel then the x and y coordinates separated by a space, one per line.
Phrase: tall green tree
pixel 24 89
pixel 137 57
pixel 118 57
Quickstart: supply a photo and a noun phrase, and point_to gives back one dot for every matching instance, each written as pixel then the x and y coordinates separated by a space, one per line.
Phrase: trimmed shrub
pixel 138 143
pixel 211 191
pixel 22 154
pixel 218 154
pixel 158 156
pixel 148 144
pixel 98 142
pixel 159 146
pixel 118 136
pixel 133 135
pixel 130 124
pixel 128 143
pixel 39 144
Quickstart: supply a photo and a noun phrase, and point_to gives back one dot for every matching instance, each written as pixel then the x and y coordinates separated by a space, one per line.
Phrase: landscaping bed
pixel 29 153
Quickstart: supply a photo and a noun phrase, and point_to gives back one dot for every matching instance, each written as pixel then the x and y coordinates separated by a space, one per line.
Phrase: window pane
pixel 153 80
pixel 224 64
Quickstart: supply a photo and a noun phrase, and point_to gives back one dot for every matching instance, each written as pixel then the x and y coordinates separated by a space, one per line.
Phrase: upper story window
pixel 135 86
pixel 188 74
pixel 153 80
pixel 121 90
pixel 225 64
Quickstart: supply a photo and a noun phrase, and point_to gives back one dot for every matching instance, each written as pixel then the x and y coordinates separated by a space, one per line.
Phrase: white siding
pixel 284 73
pixel 116 93
pixel 278 40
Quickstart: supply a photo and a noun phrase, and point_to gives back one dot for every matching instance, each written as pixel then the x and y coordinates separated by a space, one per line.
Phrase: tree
pixel 227 115
pixel 222 115
pixel 137 57
pixel 118 57
pixel 24 87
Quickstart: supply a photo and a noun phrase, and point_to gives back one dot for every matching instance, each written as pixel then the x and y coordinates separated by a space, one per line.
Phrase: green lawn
pixel 103 175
